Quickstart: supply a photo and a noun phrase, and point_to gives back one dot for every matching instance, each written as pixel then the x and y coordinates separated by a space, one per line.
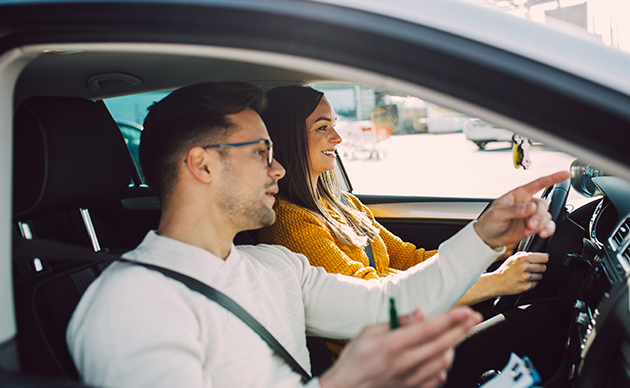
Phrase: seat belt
pixel 230 305
pixel 368 248
pixel 52 250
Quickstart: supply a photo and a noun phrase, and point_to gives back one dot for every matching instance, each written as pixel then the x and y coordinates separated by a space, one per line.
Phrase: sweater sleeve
pixel 402 255
pixel 302 232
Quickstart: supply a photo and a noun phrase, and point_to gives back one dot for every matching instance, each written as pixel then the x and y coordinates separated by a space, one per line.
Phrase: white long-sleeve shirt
pixel 135 327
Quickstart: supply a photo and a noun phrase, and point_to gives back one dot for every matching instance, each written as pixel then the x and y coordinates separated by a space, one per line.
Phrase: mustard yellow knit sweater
pixel 301 231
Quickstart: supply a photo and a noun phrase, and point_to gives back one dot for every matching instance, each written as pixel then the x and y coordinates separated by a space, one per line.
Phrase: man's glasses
pixel 268 143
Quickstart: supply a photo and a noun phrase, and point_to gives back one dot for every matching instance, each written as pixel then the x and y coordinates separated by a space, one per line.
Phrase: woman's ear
pixel 198 164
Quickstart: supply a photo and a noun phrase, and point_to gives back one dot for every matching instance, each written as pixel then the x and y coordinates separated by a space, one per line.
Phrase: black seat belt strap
pixel 230 305
pixel 368 248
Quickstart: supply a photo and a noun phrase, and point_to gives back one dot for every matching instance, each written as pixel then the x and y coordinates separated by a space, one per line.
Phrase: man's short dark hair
pixel 185 118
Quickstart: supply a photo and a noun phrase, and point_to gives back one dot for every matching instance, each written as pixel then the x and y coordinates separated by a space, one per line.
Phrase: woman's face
pixel 322 138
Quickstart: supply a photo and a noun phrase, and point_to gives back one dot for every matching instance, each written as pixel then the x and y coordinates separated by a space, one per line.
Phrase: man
pixel 207 154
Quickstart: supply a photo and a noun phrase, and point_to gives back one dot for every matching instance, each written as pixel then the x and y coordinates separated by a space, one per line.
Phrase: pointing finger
pixel 533 187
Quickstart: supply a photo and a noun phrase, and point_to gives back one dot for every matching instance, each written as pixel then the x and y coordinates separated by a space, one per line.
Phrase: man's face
pixel 246 183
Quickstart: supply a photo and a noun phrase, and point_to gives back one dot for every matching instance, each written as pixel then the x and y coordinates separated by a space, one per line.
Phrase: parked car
pixel 481 133
pixel 69 179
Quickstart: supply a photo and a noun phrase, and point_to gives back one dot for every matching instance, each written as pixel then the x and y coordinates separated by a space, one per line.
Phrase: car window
pixel 129 113
pixel 403 145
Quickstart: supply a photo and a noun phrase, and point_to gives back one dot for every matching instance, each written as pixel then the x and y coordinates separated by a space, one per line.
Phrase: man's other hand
pixel 418 354
pixel 517 214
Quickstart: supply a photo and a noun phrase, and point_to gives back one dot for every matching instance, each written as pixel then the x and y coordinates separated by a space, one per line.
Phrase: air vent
pixel 626 254
pixel 621 234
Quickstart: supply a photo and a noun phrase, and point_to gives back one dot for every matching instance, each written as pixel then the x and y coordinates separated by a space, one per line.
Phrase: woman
pixel 335 230
pixel 313 219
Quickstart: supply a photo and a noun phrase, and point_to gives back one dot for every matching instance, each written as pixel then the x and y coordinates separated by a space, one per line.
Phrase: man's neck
pixel 204 232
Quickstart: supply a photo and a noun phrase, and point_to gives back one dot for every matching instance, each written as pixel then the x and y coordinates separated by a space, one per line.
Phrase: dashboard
pixel 599 337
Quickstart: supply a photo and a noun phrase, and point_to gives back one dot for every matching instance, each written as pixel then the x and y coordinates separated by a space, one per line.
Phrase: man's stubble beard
pixel 243 211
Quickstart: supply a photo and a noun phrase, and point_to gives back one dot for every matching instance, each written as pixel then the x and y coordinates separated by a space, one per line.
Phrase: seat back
pixel 45 301
pixel 68 154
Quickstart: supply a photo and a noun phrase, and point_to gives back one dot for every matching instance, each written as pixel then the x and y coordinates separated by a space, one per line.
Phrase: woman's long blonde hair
pixel 285 118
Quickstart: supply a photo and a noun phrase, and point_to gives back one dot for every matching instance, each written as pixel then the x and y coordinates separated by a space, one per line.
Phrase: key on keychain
pixel 520 151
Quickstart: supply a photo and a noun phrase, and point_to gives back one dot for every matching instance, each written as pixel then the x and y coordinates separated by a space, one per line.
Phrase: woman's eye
pixel 324 128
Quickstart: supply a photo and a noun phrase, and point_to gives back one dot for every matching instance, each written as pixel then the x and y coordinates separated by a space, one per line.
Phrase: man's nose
pixel 276 170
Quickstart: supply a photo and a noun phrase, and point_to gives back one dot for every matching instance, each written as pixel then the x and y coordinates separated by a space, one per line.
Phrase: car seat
pixel 68 155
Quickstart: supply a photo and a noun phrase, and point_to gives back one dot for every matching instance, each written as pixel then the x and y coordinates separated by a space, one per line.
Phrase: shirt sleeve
pixel 340 306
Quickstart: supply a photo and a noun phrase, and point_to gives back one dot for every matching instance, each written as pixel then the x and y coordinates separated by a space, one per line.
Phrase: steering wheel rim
pixel 557 195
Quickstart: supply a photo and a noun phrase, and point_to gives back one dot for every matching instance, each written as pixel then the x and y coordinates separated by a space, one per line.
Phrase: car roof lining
pixel 67 74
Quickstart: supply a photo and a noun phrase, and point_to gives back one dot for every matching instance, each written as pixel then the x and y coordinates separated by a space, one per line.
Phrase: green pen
pixel 393 315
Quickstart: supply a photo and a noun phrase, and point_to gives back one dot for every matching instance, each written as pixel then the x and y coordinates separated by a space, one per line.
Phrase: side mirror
pixel 582 175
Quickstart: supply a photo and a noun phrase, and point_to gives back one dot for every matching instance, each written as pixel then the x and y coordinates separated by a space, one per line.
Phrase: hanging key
pixel 520 152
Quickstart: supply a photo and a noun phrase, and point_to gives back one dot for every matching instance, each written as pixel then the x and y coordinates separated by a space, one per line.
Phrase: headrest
pixel 67 153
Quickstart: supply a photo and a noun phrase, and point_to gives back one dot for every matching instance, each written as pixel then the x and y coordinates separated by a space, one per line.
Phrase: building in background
pixel 606 20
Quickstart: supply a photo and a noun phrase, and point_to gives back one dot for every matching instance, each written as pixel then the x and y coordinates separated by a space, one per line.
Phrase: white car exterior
pixel 481 133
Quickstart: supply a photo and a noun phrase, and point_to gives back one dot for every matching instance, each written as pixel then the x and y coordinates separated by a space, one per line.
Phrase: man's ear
pixel 198 164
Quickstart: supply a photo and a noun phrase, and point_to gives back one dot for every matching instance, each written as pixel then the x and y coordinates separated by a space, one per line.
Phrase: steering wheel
pixel 557 195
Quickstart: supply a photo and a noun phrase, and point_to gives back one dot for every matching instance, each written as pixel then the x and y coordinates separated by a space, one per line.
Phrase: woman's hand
pixel 519 273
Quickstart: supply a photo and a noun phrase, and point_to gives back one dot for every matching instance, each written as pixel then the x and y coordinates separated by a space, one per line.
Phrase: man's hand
pixel 418 354
pixel 517 214
pixel 519 273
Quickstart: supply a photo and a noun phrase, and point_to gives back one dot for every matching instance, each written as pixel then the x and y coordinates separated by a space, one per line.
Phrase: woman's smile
pixel 322 138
